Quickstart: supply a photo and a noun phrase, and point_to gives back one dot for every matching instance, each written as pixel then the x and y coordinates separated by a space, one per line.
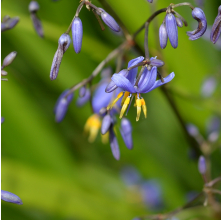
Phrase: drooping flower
pixel 63 44
pixel 216 29
pixel 10 197
pixel 77 34
pixel 61 106
pixel 171 27
pixel 134 86
pixel 198 15
pixel 33 8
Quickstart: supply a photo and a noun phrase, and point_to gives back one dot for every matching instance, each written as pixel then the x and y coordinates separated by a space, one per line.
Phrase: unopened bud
pixel 106 123
pixel 77 34
pixel 9 58
pixel 33 6
pixel 10 197
pixel 202 165
pixel 109 21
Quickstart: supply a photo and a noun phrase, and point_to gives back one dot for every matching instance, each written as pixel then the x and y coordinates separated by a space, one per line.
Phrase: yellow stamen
pixel 124 107
pixel 138 102
pixel 92 127
pixel 110 106
pixel 144 107
pixel 126 94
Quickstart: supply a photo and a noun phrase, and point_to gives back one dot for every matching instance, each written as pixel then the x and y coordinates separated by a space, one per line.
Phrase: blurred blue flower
pixel 10 197
pixel 208 87
pixel 130 175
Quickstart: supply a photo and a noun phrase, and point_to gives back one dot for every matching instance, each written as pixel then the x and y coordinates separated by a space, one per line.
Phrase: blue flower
pixel 133 86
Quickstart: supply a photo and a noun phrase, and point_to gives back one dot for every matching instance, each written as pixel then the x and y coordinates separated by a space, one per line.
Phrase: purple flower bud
pixel 109 21
pixel 152 194
pixel 37 24
pixel 163 36
pixel 61 105
pixel 33 6
pixel 106 123
pixel 216 29
pixel 63 44
pixel 10 197
pixel 208 87
pixel 2 119
pixel 150 1
pixel 192 130
pixel 82 100
pixel 202 165
pixel 198 15
pixel 4 73
pixel 171 27
pixel 126 132
pixel 179 22
pixel 82 91
pixel 114 144
pixel 9 58
pixel 213 128
pixel 112 86
pixel 9 23
pixel 156 62
pixel 77 34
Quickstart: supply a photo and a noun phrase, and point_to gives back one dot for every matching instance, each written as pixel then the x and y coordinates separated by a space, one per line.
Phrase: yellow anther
pixel 144 107
pixel 110 106
pixel 92 127
pixel 138 102
pixel 126 94
pixel 124 107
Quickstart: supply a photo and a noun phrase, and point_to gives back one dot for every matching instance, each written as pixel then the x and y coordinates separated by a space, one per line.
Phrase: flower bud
pixel 61 106
pixel 112 86
pixel 106 123
pixel 163 36
pixel 37 24
pixel 77 34
pixel 150 1
pixel 171 27
pixel 208 87
pixel 192 130
pixel 216 28
pixel 9 58
pixel 33 7
pixel 10 197
pixel 2 119
pixel 4 73
pixel 179 22
pixel 82 100
pixel 198 15
pixel 126 132
pixel 63 44
pixel 9 23
pixel 156 62
pixel 109 21
pixel 202 165
pixel 114 144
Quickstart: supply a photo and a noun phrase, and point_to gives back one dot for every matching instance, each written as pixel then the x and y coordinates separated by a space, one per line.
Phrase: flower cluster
pixel 134 86
pixel 168 28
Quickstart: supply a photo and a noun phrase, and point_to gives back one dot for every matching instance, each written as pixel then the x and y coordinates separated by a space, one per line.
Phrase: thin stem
pixel 147 56
pixel 149 20
pixel 213 182
pixel 216 191
pixel 109 57
pixel 99 20
pixel 183 4
pixel 76 15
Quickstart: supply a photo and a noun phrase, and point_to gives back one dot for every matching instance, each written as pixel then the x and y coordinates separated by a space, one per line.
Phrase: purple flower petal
pixel 216 29
pixel 10 197
pixel 198 15
pixel 123 83
pixel 77 34
pixel 112 86
pixel 159 83
pixel 171 27
pixel 106 123
pixel 149 78
pixel 156 62
pixel 126 133
pixel 109 21
pixel 114 144
pixel 163 36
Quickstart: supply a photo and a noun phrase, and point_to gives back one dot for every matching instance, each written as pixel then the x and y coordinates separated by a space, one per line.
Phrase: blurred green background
pixel 52 167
